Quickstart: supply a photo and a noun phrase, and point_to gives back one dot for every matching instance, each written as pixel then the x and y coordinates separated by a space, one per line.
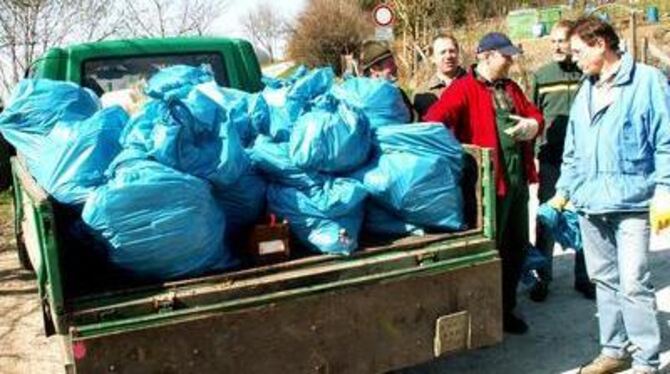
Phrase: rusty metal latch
pixel 426 258
pixel 165 303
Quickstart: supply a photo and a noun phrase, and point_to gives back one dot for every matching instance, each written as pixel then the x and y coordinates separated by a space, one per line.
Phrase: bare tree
pixel 266 27
pixel 30 27
pixel 326 31
pixel 161 18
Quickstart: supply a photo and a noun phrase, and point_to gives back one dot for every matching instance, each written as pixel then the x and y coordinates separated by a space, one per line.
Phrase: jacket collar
pixel 625 73
pixel 437 82
pixel 498 83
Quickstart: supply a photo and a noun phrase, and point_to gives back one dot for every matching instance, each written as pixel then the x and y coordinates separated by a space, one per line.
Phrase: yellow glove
pixel 558 202
pixel 659 212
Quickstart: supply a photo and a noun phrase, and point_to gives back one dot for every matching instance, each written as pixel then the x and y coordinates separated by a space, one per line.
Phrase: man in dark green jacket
pixel 554 89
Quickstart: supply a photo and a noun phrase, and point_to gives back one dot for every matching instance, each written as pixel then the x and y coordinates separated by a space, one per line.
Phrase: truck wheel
pixel 22 253
pixel 5 166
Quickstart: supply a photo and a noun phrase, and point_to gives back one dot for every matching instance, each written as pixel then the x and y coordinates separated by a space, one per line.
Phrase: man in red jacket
pixel 486 108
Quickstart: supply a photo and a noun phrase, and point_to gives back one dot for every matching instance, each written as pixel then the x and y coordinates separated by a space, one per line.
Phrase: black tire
pixel 22 253
pixel 6 152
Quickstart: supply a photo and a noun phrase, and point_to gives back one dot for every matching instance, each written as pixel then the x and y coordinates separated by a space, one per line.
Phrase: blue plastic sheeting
pixel 289 99
pixel 327 219
pixel 75 155
pixel 273 160
pixel 195 136
pixel 382 222
pixel 159 223
pixel 244 201
pixel 416 175
pixel 176 81
pixel 249 113
pixel 379 99
pixel 564 226
pixel 35 106
pixel 332 138
pixel 534 260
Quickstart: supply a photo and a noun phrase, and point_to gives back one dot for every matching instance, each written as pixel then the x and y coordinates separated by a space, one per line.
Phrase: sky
pixel 229 23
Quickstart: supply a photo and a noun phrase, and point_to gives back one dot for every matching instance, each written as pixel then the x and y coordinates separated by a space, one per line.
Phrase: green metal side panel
pixel 153 320
pixel 47 265
pixel 488 194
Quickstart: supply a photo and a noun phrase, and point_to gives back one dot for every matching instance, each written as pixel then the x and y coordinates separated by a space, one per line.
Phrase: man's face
pixel 498 64
pixel 445 56
pixel 385 69
pixel 560 45
pixel 590 59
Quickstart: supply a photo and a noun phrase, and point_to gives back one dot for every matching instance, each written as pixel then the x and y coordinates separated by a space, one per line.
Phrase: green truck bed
pixel 376 310
pixel 389 305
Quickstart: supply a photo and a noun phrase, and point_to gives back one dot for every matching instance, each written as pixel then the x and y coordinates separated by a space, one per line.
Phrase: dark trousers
pixel 549 173
pixel 512 240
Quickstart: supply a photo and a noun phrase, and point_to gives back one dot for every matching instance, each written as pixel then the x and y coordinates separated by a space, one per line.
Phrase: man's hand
pixel 526 129
pixel 659 212
pixel 558 202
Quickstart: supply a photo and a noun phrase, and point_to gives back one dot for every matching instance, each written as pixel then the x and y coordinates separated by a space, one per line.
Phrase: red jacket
pixel 466 107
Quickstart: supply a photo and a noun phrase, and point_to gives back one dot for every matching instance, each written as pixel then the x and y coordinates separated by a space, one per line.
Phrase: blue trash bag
pixel 273 160
pixel 194 135
pixel 534 261
pixel 75 155
pixel 380 100
pixel 288 101
pixel 311 85
pixel 176 81
pixel 243 202
pixel 416 175
pixel 564 226
pixel 382 222
pixel 159 223
pixel 332 138
pixel 36 105
pixel 274 82
pixel 249 113
pixel 137 133
pixel 327 219
pixel 281 122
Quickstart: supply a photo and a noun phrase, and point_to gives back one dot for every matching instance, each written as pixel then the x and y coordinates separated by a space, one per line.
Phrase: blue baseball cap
pixel 496 41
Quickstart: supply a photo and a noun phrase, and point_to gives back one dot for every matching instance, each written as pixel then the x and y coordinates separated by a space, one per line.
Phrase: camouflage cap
pixel 372 52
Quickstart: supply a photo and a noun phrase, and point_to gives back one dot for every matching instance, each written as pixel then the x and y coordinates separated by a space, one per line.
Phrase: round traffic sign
pixel 383 15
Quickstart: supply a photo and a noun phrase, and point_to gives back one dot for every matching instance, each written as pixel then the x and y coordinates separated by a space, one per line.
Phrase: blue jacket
pixel 615 159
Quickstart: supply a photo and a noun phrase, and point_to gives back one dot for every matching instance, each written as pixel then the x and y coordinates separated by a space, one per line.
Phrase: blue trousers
pixel 616 247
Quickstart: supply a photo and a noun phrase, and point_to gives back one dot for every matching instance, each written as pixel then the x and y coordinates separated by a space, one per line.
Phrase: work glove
pixel 659 212
pixel 526 129
pixel 559 202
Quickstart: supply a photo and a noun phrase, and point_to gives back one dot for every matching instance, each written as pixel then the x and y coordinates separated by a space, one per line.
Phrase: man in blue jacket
pixel 616 172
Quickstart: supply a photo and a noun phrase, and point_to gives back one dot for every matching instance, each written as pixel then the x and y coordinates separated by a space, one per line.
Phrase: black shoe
pixel 513 324
pixel 539 291
pixel 587 289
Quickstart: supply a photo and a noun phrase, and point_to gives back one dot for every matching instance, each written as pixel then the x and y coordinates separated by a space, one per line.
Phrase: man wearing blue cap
pixel 488 109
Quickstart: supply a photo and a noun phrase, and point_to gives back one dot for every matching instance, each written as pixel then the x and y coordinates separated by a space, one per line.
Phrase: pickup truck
pixel 393 303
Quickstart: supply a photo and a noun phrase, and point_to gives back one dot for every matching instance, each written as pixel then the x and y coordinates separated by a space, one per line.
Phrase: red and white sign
pixel 383 15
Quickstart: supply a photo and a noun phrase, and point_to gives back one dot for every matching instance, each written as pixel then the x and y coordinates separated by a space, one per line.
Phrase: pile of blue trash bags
pixel 168 188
